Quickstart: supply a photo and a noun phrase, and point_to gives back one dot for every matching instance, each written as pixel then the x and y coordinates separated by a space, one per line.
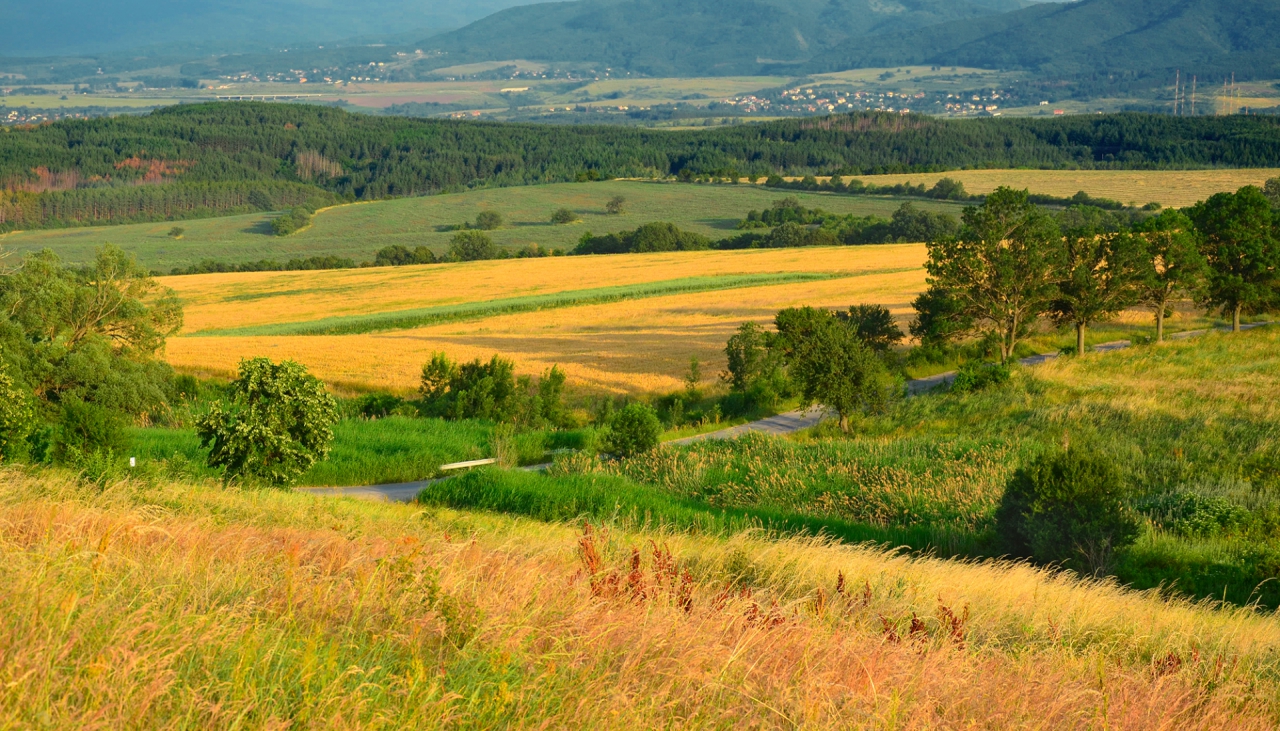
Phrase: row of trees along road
pixel 1012 264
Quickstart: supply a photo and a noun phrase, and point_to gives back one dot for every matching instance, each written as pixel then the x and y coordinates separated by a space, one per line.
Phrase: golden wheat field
pixel 1170 188
pixel 635 345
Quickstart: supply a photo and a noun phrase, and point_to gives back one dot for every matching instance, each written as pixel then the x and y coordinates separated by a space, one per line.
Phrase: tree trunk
pixel 1160 324
pixel 1080 339
pixel 844 423
pixel 1235 320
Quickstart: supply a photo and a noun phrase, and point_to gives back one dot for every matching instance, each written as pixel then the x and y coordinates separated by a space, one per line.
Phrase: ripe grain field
pixel 1169 188
pixel 358 231
pixel 635 345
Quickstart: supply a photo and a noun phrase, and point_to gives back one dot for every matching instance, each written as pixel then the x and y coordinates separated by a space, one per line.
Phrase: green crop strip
pixel 409 319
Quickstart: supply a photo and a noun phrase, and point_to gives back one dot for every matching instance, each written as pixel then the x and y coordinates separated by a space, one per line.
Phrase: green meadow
pixel 357 231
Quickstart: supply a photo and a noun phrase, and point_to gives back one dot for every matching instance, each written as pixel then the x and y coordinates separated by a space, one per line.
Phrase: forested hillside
pixel 694 37
pixel 1209 38
pixel 46 171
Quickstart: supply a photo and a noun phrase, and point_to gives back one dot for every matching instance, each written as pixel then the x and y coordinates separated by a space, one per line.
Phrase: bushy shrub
pixel 86 429
pixel 1067 508
pixel 976 376
pixel 277 423
pixel 650 237
pixel 294 220
pixel 633 429
pixel 616 206
pixel 377 405
pixel 488 220
pixel 563 216
pixel 472 246
pixel 398 256
pixel 17 418
pixel 1193 515
pixel 490 390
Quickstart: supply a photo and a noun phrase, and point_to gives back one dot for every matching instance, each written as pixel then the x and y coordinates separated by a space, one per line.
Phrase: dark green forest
pixel 59 174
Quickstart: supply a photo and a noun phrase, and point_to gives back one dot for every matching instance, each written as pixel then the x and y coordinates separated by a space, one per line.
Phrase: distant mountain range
pixel 69 27
pixel 1090 36
pixel 698 37
pixel 725 37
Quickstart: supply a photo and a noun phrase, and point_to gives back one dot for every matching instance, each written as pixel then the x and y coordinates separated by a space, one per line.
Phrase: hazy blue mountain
pixel 693 37
pixel 1207 37
pixel 61 27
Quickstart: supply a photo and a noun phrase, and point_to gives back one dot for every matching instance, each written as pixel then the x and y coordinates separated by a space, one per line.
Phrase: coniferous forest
pixel 207 159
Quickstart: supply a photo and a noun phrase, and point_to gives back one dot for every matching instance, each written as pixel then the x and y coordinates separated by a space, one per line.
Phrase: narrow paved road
pixel 782 424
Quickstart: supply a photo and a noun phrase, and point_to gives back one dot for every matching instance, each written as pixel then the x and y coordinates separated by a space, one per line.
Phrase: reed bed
pixel 185 606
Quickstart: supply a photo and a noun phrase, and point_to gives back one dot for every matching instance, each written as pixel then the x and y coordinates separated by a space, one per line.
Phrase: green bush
pixel 377 405
pixel 563 216
pixel 277 424
pixel 634 429
pixel 17 418
pixel 472 246
pixel 1067 508
pixel 290 222
pixel 86 429
pixel 976 376
pixel 488 220
pixel 398 256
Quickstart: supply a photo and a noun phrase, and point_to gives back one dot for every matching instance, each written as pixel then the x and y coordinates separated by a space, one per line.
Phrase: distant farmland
pixel 1169 188
pixel 358 231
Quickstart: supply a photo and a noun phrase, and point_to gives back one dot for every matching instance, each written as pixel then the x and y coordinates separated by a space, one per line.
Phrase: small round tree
pixel 563 216
pixel 488 220
pixel 471 246
pixel 616 206
pixel 1067 507
pixel 277 423
pixel 634 429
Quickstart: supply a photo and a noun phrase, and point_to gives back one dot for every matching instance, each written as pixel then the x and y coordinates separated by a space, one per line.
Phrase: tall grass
pixel 413 318
pixel 177 606
pixel 601 497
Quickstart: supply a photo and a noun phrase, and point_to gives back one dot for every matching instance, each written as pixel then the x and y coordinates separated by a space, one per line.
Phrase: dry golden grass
pixel 178 606
pixel 632 346
pixel 1171 188
pixel 220 301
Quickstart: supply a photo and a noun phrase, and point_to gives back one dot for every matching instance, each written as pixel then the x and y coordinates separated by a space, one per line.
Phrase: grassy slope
pixel 358 231
pixel 180 605
pixel 1197 418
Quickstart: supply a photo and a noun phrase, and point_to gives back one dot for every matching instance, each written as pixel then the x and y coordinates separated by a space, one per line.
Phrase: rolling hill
pixel 696 37
pixel 1205 37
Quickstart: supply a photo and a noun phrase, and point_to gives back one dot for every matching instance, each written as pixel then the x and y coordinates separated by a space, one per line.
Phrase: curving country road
pixel 782 424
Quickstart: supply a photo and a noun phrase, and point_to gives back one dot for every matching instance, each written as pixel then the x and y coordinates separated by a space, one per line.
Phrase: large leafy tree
pixel 1238 239
pixel 833 366
pixel 1174 265
pixel 94 334
pixel 276 424
pixel 1001 272
pixel 1100 277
